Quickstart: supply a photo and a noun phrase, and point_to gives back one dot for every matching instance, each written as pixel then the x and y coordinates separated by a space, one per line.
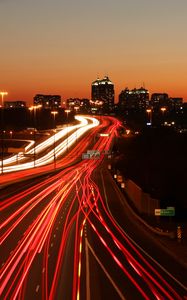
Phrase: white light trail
pixel 60 149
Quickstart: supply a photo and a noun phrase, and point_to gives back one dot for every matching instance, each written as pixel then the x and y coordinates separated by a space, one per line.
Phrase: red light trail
pixel 63 206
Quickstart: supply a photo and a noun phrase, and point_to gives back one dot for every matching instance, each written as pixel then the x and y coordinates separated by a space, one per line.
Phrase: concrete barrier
pixel 142 201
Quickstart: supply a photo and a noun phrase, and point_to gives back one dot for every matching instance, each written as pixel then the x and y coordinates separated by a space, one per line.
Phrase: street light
pixel 2 97
pixel 163 110
pixel 2 127
pixel 149 112
pixel 76 109
pixel 67 111
pixel 34 108
pixel 54 113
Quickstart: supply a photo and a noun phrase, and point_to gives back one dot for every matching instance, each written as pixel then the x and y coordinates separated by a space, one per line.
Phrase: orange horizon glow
pixel 71 43
pixel 14 95
pixel 84 91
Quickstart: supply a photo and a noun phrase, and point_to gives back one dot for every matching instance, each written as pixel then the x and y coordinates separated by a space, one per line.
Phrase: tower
pixel 103 90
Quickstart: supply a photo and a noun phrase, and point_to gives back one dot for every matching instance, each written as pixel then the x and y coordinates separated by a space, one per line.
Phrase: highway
pixel 69 235
pixel 67 137
pixel 52 159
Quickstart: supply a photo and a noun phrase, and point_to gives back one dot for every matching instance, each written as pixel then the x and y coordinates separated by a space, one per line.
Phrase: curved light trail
pixel 60 149
pixel 46 228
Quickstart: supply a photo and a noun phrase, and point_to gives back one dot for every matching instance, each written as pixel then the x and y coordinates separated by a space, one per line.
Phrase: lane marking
pixel 87 271
pixel 106 273
pixel 37 288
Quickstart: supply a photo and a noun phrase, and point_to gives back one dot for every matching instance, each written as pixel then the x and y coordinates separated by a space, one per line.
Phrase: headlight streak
pixel 60 149
pixel 47 143
pixel 90 208
pixel 67 160
pixel 14 158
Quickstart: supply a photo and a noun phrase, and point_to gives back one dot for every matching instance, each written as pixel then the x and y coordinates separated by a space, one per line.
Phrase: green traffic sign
pixel 167 212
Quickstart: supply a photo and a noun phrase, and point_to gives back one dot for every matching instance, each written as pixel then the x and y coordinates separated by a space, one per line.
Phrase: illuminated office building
pixel 48 101
pixel 102 90
pixel 134 100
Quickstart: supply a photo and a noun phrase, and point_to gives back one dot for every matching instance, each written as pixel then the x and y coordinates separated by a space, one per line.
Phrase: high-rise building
pixel 159 100
pixel 79 105
pixel 135 100
pixel 176 104
pixel 103 90
pixel 48 101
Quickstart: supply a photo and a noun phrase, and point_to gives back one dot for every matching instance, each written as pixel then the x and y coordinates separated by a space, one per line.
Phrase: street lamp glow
pixel 54 113
pixel 76 108
pixel 67 111
pixel 60 148
pixel 4 93
pixel 2 96
pixel 2 125
pixel 34 107
pixel 163 109
pixel 149 112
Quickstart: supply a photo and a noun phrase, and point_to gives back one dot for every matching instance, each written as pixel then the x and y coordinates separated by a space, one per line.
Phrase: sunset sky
pixel 61 46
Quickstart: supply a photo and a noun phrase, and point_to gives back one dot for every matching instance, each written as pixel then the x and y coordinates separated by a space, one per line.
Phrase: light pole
pixel 2 97
pixel 34 108
pixel 163 110
pixel 76 109
pixel 54 113
pixel 149 112
pixel 67 111
pixel 2 128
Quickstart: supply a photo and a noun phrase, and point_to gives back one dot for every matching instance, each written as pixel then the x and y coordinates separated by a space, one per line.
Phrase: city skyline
pixel 61 47
pixel 29 99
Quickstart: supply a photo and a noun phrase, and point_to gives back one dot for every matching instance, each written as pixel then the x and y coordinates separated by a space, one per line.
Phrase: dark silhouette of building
pixel 48 101
pixel 79 105
pixel 14 104
pixel 103 90
pixel 159 100
pixel 135 100
pixel 176 104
